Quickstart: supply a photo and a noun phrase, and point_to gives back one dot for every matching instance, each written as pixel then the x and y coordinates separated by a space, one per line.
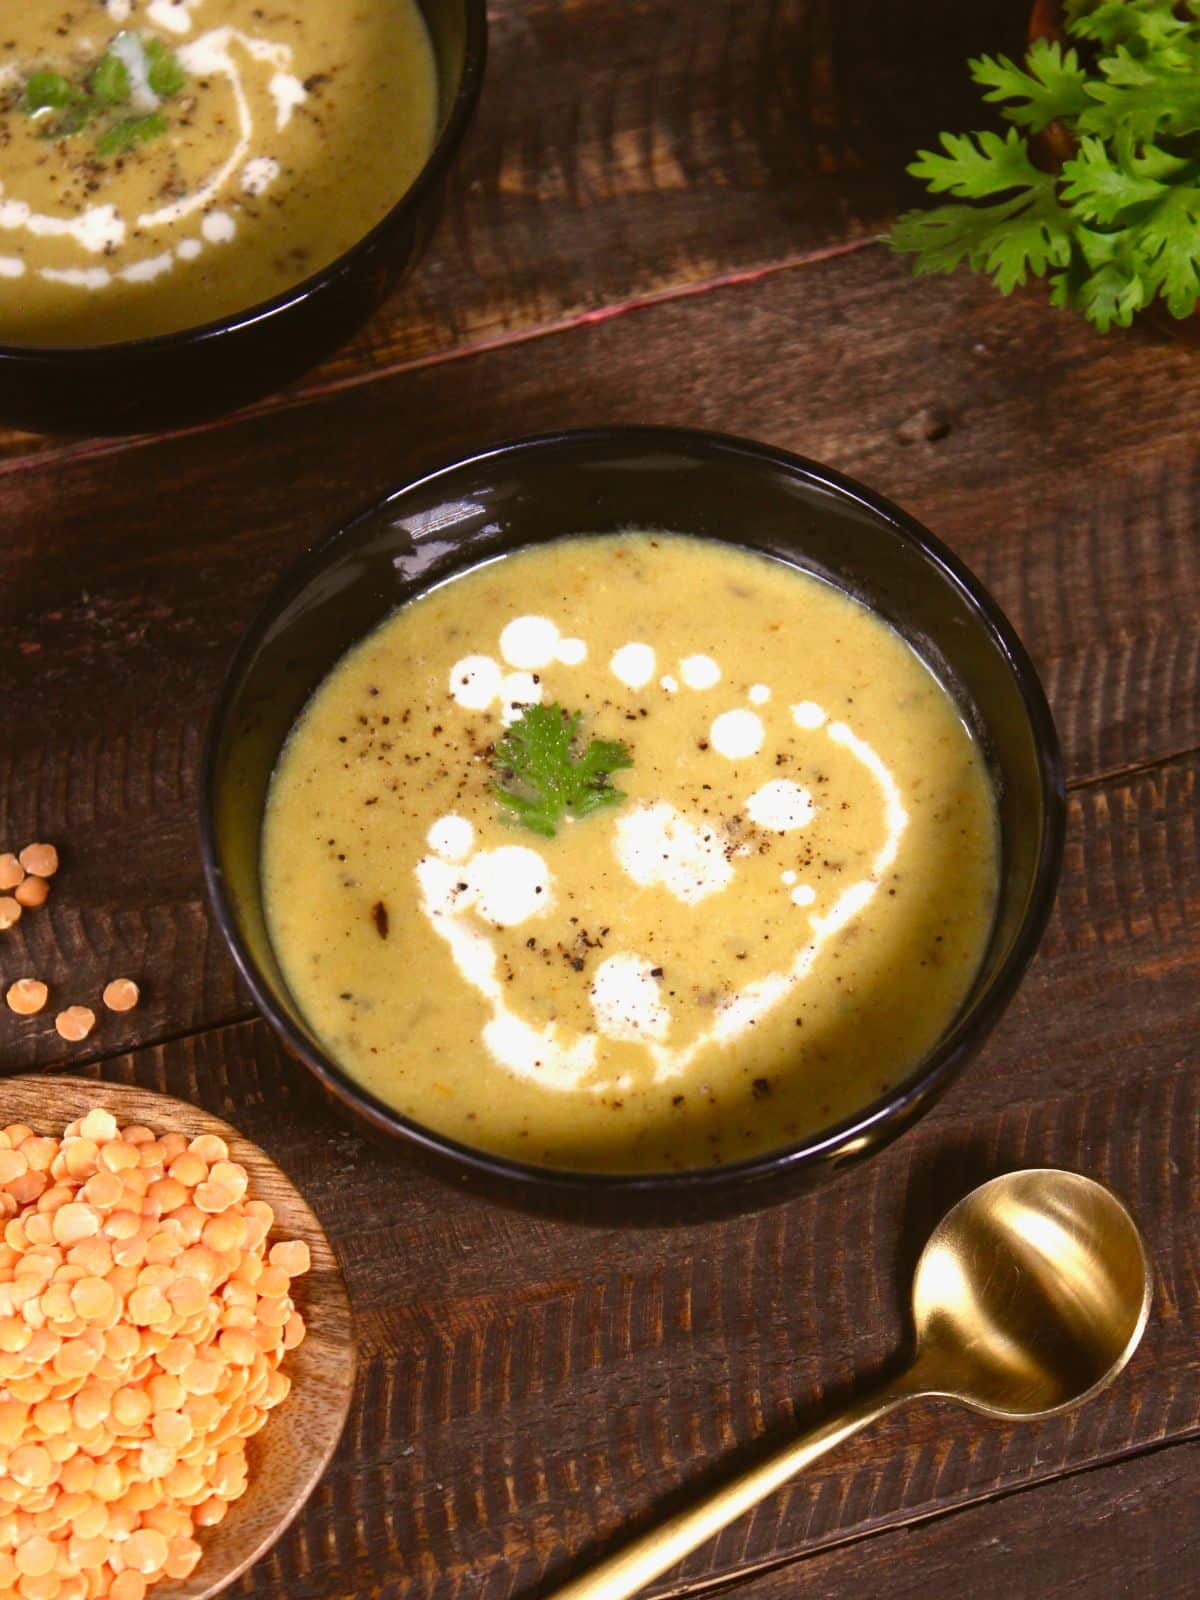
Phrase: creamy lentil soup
pixel 772 918
pixel 167 162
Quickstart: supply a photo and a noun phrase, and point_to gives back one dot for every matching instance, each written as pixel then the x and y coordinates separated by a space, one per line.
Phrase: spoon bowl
pixel 1030 1296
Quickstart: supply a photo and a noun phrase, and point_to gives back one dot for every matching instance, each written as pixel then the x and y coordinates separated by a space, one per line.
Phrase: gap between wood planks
pixel 97 449
pixel 729 1582
pixel 1095 780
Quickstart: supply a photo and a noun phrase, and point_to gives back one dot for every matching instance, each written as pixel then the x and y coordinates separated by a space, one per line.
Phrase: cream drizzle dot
pixel 808 714
pixel 529 642
pixel 518 690
pixel 633 664
pixel 699 672
pixel 781 805
pixel 475 682
pixel 451 837
pixel 736 734
pixel 218 227
pixel 759 694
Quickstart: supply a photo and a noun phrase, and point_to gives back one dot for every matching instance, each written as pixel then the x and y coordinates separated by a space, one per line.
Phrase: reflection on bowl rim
pixel 852 1134
pixel 432 171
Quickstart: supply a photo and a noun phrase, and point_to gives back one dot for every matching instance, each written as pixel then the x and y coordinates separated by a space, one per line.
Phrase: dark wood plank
pixel 126 579
pixel 1129 1530
pixel 530 1391
pixel 624 151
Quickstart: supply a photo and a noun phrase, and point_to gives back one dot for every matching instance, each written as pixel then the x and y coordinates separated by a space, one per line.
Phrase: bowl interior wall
pixel 447 26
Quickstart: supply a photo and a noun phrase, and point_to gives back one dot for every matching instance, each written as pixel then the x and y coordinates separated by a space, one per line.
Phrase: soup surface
pixel 166 162
pixel 774 918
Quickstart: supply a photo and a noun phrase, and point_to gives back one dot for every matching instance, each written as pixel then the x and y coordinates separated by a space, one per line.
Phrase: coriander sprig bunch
pixel 1118 225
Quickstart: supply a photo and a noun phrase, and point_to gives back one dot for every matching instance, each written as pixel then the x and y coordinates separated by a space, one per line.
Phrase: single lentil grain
pixel 122 994
pixel 75 1023
pixel 32 892
pixel 41 859
pixel 27 996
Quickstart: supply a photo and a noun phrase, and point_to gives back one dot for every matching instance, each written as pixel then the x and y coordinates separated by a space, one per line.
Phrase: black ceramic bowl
pixel 174 378
pixel 591 482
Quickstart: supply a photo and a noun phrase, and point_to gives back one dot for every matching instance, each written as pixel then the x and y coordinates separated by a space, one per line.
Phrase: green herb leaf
pixel 164 70
pixel 130 131
pixel 1052 89
pixel 1136 102
pixel 49 91
pixel 1144 26
pixel 1169 250
pixel 541 779
pixel 110 81
pixel 1009 239
pixel 1100 187
pixel 977 165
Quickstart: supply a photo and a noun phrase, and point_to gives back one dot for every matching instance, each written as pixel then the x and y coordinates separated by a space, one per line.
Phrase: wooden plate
pixel 290 1454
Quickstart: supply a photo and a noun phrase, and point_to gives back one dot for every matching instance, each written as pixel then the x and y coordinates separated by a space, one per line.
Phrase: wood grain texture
pixel 528 1392
pixel 288 1457
pixel 1130 1530
pixel 126 579
pixel 626 149
pixel 689 194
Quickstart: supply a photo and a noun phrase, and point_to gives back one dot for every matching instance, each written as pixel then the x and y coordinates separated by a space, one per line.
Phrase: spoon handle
pixel 630 1569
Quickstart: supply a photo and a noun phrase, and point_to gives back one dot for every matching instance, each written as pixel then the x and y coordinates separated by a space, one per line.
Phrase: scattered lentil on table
pixel 75 1023
pixel 32 892
pixel 27 996
pixel 122 994
pixel 40 860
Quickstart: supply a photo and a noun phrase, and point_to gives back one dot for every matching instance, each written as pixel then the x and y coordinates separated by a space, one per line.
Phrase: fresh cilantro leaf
pixel 977 165
pixel 49 91
pixel 110 81
pixel 1139 104
pixel 1054 86
pixel 1010 239
pixel 1100 187
pixel 540 777
pixel 948 236
pixel 1150 26
pixel 1112 296
pixel 1169 249
pixel 130 131
pixel 164 70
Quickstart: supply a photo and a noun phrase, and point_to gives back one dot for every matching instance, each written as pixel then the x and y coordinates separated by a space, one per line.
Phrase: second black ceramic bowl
pixel 542 489
pixel 141 384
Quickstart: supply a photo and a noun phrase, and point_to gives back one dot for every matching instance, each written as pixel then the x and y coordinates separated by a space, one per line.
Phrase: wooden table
pixel 667 212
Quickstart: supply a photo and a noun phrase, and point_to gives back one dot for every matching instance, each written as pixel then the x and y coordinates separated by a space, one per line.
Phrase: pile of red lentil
pixel 143 1320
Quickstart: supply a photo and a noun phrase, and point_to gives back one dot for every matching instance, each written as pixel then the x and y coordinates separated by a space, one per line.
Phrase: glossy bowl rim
pixel 435 167
pixel 863 1130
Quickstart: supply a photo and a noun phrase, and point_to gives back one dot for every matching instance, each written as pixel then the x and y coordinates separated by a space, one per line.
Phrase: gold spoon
pixel 1029 1298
